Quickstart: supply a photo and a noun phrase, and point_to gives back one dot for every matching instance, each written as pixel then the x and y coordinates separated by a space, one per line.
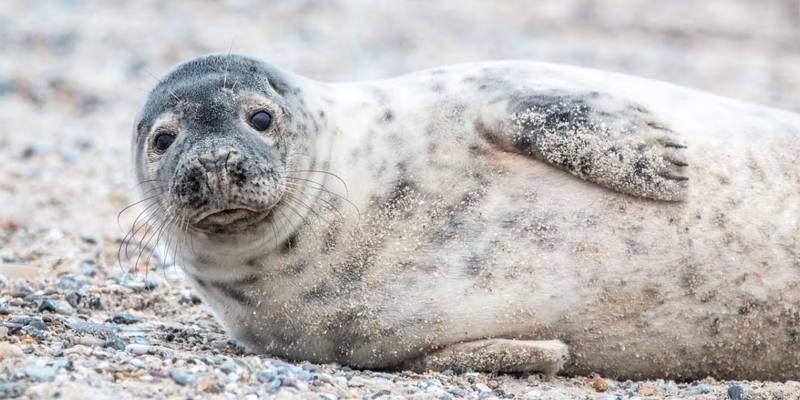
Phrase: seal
pixel 499 216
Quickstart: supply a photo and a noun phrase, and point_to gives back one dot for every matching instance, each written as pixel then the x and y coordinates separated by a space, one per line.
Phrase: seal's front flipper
pixel 598 137
pixel 496 355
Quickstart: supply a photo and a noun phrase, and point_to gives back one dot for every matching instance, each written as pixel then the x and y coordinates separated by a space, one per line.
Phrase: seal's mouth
pixel 230 219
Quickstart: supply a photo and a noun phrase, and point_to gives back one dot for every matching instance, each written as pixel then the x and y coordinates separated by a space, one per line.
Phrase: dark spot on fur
pixel 690 279
pixel 330 238
pixel 635 248
pixel 296 267
pixel 449 228
pixel 248 280
pixel 749 305
pixel 638 108
pixel 474 264
pixel 510 220
pixel 716 326
pixel 400 190
pixel 233 292
pixel 347 328
pixel 387 116
pixel 319 292
pixel 657 126
pixel 476 150
pixel 289 244
pixel 203 284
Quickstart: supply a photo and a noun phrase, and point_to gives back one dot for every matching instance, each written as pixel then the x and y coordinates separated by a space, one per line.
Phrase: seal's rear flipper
pixel 496 355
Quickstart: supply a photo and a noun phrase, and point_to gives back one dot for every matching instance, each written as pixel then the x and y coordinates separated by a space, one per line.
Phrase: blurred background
pixel 73 72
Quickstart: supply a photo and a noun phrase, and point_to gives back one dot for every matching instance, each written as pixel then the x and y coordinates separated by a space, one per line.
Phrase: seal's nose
pixel 220 158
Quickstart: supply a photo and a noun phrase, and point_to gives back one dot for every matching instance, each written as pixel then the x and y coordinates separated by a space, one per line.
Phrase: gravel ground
pixel 80 322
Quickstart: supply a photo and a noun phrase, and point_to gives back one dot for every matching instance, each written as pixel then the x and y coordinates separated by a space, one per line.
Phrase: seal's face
pixel 213 140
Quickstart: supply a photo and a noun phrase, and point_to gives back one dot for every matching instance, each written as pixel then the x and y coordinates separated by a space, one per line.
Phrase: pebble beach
pixel 85 314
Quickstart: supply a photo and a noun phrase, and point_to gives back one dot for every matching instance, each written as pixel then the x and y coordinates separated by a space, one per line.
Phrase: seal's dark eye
pixel 261 120
pixel 163 141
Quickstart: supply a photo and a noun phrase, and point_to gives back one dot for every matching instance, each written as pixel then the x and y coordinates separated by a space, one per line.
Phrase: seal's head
pixel 214 140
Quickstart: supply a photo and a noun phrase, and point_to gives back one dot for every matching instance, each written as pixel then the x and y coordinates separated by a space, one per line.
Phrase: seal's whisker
pixel 283 219
pixel 128 207
pixel 274 234
pixel 157 234
pixel 151 229
pixel 147 181
pixel 299 215
pixel 309 208
pixel 175 238
pixel 297 189
pixel 227 63
pixel 134 230
pixel 171 92
pixel 147 237
pixel 181 238
pixel 171 241
pixel 184 236
pixel 130 235
pixel 317 171
pixel 326 190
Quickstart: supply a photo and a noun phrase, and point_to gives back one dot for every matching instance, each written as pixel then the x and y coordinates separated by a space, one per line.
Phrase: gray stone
pixel 40 373
pixel 181 377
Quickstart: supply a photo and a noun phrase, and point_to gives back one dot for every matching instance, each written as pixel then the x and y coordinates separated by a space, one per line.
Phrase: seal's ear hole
pixel 261 120
pixel 162 142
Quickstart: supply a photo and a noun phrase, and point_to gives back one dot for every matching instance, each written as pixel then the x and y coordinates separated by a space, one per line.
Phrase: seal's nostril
pixel 225 152
pixel 221 157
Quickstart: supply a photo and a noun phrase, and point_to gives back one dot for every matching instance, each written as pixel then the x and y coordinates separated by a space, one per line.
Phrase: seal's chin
pixel 234 219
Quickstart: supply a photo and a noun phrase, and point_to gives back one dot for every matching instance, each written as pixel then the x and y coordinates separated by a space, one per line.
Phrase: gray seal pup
pixel 500 216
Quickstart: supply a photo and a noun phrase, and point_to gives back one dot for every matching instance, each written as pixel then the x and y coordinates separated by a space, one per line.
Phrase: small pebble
pixel 84 238
pixel 124 318
pixel 700 389
pixel 40 373
pixel 735 392
pixel 47 305
pixel 648 391
pixel 181 377
pixel 95 303
pixel 457 391
pixel 140 349
pixel 599 384
pixel 63 307
pixel 8 350
pixel 74 299
pixel 81 326
pixel 482 387
pixel 21 292
pixel 532 395
pixel 115 343
pixel 11 390
pixel 69 283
